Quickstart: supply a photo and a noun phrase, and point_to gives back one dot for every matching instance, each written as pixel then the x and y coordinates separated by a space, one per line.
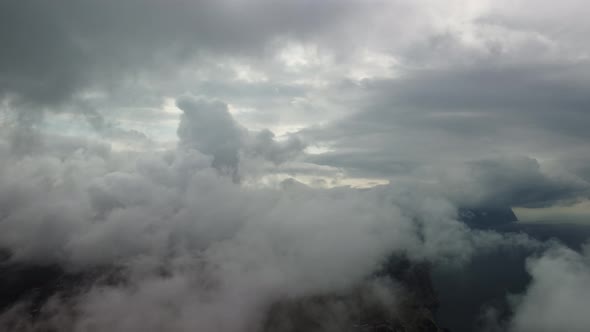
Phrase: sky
pixel 123 121
pixel 360 92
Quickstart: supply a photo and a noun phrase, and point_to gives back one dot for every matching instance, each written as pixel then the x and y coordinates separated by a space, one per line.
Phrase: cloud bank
pixel 209 154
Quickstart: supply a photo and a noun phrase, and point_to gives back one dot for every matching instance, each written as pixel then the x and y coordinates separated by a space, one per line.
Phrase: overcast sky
pixel 488 97
pixel 226 155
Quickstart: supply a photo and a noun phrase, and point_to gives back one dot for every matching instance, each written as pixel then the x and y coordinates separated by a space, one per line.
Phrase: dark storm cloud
pixel 465 113
pixel 512 182
pixel 520 95
pixel 54 49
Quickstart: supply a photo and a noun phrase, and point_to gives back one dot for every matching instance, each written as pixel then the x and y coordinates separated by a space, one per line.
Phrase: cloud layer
pixel 212 151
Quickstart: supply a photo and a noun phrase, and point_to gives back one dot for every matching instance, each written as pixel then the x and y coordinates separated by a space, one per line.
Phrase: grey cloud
pixel 442 117
pixel 492 113
pixel 364 163
pixel 487 100
pixel 459 96
pixel 209 127
pixel 53 50
pixel 264 144
pixel 227 250
pixel 172 208
pixel 512 182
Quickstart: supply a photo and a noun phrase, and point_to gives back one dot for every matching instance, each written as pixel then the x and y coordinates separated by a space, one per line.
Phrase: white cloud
pixel 558 295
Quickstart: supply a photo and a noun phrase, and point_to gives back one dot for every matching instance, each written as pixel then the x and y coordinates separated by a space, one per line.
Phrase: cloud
pixel 201 249
pixel 209 127
pixel 439 118
pixel 557 295
pixel 478 105
pixel 516 181
pixel 69 46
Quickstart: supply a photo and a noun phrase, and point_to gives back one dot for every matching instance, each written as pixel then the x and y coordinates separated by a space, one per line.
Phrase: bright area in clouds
pixel 180 133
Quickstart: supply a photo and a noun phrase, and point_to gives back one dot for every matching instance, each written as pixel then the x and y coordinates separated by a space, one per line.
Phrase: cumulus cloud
pixel 201 249
pixel 209 127
pixel 557 296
